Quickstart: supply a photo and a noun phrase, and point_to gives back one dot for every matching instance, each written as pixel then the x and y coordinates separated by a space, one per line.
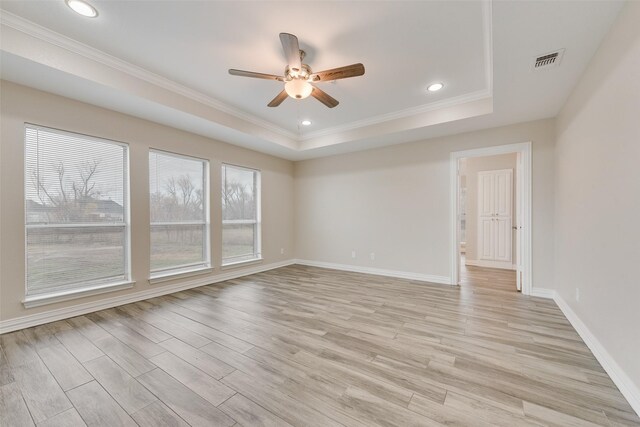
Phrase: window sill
pixel 54 297
pixel 179 275
pixel 241 263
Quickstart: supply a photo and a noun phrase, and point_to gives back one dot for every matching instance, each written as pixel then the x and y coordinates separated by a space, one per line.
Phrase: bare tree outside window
pixel 179 219
pixel 75 210
pixel 240 214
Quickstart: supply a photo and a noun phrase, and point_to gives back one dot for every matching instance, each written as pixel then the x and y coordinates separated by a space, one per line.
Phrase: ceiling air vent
pixel 548 60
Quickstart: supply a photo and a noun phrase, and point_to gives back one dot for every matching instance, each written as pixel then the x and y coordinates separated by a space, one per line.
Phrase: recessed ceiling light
pixel 435 86
pixel 83 8
pixel 306 123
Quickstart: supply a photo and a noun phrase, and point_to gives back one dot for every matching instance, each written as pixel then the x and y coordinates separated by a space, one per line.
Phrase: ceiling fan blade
pixel 324 97
pixel 243 73
pixel 352 70
pixel 278 99
pixel 291 50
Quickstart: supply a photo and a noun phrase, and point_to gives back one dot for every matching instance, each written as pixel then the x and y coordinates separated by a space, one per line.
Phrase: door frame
pixel 522 214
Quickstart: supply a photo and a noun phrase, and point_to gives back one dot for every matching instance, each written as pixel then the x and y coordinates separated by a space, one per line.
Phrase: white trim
pixel 486 92
pixel 37 300
pixel 503 265
pixel 524 148
pixel 543 293
pixel 377 271
pixel 179 275
pixel 400 114
pixel 237 264
pixel 89 307
pixel 34 30
pixel 629 390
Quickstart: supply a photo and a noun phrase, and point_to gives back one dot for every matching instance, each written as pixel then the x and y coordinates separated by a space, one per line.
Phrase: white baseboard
pixel 543 293
pixel 629 390
pixel 89 307
pixel 490 264
pixel 444 280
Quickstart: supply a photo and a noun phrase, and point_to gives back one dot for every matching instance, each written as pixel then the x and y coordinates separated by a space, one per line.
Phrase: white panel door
pixel 486 200
pixel 502 242
pixel 495 194
pixel 485 238
pixel 503 181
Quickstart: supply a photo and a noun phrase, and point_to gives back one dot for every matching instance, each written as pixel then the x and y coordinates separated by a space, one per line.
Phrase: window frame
pixel 61 293
pixel 200 267
pixel 257 237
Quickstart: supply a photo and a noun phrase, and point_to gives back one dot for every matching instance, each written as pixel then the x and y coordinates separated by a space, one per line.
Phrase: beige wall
pixel 598 195
pixel 472 167
pixel 394 201
pixel 20 104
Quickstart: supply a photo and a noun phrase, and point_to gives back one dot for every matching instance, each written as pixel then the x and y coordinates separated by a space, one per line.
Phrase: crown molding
pixel 487 92
pixel 32 29
pixel 401 114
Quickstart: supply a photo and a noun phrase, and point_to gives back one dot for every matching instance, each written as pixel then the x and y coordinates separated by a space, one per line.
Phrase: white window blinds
pixel 76 211
pixel 240 214
pixel 179 213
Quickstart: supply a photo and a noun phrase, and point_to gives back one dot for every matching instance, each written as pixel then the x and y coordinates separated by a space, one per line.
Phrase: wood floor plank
pixel 306 346
pixel 68 418
pixel 44 335
pixel 128 392
pixel 202 384
pixel 127 358
pixel 377 411
pixel 13 409
pixel 97 408
pixel 188 405
pixel 87 328
pixel 444 415
pixel 65 368
pixel 285 406
pixel 202 329
pixel 553 418
pixel 483 410
pixel 249 413
pixel 78 345
pixel 126 335
pixel 41 392
pixel 172 328
pixel 17 349
pixel 158 415
pixel 6 376
pixel 201 360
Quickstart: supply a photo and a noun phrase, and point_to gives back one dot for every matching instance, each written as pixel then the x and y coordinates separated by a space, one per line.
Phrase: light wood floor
pixel 311 347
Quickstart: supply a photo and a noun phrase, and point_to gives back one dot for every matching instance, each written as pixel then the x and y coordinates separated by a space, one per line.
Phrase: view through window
pixel 179 213
pixel 76 211
pixel 240 214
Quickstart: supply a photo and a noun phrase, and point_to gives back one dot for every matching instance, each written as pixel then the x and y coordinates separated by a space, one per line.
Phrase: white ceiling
pixel 167 61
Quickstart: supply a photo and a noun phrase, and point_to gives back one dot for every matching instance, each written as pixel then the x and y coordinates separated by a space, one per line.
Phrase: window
pixel 178 190
pixel 240 214
pixel 77 214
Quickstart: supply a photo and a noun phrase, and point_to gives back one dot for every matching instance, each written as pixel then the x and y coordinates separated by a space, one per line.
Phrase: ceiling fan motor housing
pixel 293 73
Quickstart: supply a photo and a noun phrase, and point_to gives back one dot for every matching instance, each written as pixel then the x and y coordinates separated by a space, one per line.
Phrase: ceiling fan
pixel 298 76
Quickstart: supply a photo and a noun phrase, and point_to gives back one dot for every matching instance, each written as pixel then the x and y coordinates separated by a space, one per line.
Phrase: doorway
pixel 491 220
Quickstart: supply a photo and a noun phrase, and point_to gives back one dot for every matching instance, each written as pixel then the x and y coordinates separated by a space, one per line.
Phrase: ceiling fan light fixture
pixel 82 8
pixel 298 88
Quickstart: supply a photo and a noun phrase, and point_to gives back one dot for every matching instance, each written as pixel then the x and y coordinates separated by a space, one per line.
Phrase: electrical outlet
pixel 577 294
pixel 372 255
pixel 281 251
pixel 353 254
